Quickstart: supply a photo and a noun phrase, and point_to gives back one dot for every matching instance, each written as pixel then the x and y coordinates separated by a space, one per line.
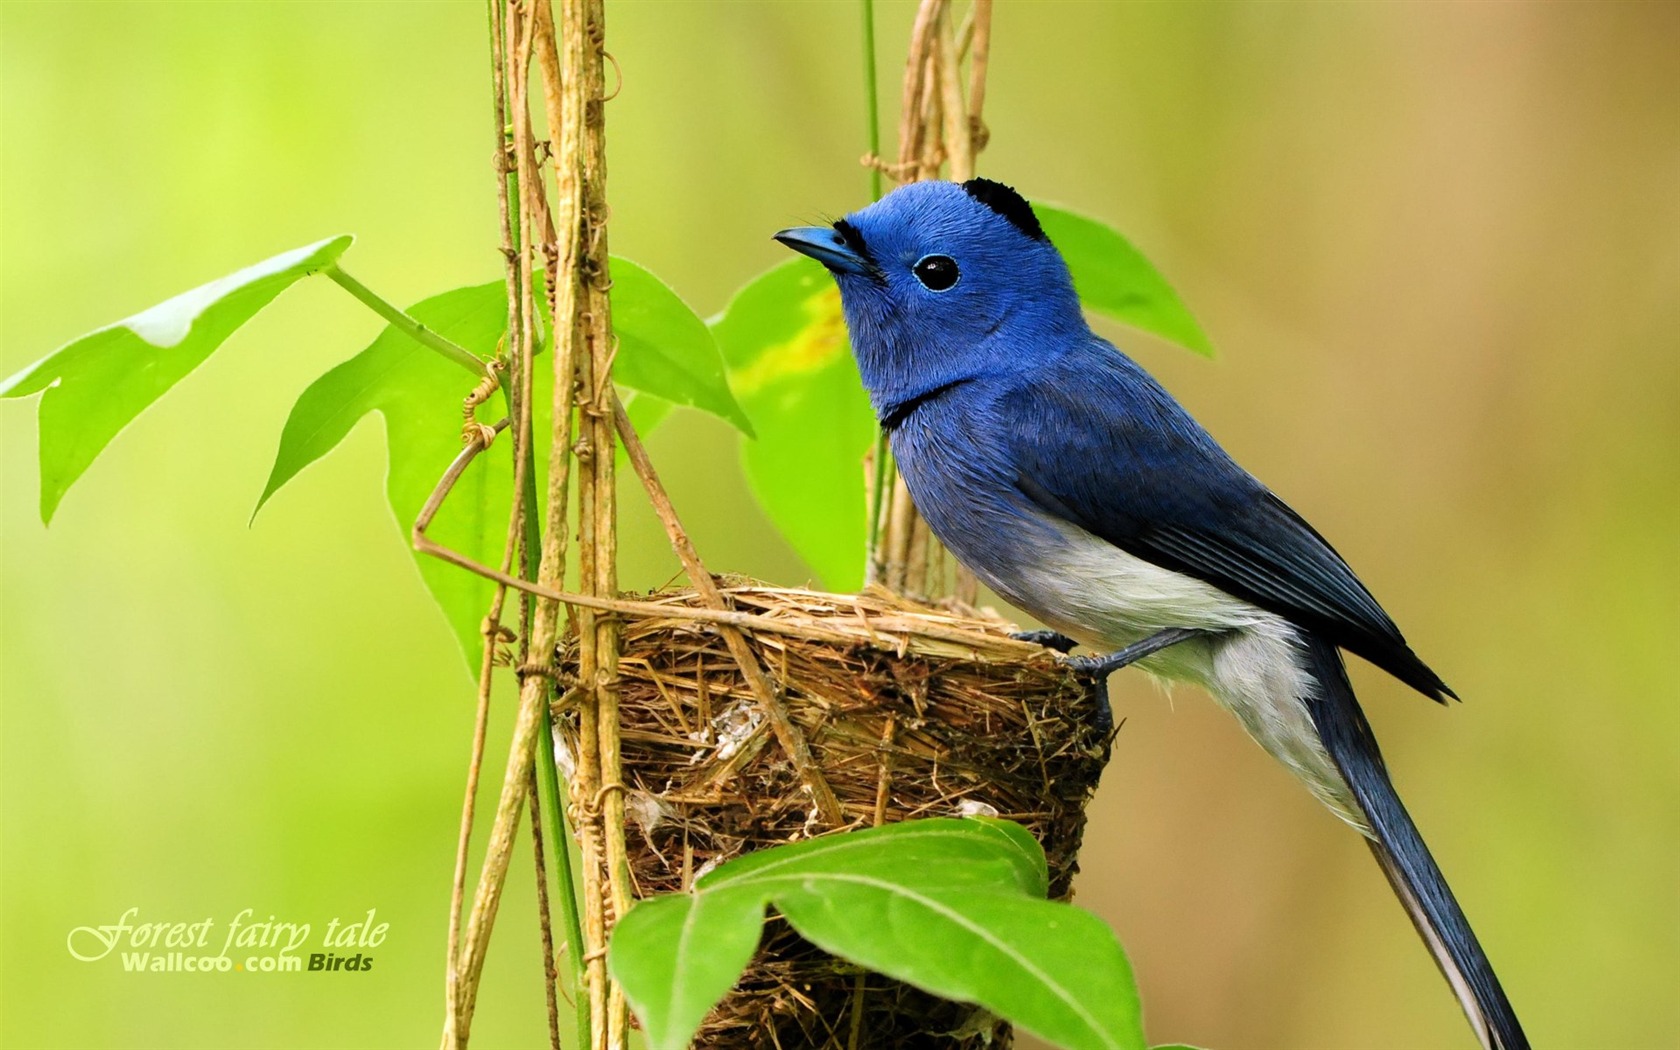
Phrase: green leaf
pixel 678 955
pixel 952 906
pixel 1114 278
pixel 784 341
pixel 943 851
pixel 97 384
pixel 1049 967
pixel 419 393
pixel 664 349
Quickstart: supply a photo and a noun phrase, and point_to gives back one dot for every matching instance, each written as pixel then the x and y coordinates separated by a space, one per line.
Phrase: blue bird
pixel 1073 485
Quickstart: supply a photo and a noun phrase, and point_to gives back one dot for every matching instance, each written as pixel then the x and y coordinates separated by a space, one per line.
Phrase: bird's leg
pixel 1049 639
pixel 1100 667
pixel 1103 666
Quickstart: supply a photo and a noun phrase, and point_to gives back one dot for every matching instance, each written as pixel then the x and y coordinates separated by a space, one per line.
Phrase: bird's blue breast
pixel 951 449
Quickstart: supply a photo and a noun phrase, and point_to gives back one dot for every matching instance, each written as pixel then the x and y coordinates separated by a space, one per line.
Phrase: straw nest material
pixel 909 710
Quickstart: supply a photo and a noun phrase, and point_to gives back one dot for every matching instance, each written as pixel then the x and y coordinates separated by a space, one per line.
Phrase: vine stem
pixel 454 1035
pixel 555 794
pixel 521 191
pixel 414 329
pixel 530 220
pixel 871 94
pixel 881 456
pixel 532 725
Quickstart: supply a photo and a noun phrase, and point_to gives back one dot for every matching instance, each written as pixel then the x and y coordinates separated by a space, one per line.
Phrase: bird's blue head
pixel 944 282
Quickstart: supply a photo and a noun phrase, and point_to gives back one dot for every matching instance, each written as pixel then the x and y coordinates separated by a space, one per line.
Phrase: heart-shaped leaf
pixel 419 394
pixel 97 384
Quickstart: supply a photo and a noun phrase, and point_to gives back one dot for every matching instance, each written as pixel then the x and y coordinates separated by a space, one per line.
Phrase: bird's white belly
pixel 1251 664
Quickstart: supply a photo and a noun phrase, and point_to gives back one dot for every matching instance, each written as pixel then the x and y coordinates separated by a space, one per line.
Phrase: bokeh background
pixel 1438 247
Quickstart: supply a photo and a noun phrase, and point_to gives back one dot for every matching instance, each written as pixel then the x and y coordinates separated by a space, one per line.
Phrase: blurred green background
pixel 1438 247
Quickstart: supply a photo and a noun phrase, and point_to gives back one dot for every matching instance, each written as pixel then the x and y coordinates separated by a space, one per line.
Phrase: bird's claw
pixel 1098 668
pixel 1049 639
pixel 1107 664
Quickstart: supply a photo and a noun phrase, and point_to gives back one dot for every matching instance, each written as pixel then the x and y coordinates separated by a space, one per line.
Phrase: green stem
pixel 872 98
pixel 871 94
pixel 548 786
pixel 877 508
pixel 414 329
pixel 553 811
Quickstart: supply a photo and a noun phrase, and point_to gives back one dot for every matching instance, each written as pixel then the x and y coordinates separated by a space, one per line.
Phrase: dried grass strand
pixel 787 734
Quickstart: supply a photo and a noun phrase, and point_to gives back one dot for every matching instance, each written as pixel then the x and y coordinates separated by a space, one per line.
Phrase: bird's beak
pixel 827 247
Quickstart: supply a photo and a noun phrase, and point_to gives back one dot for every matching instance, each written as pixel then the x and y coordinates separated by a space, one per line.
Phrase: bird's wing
pixel 1097 442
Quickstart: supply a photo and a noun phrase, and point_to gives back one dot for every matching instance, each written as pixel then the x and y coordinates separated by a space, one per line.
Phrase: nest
pixel 909 710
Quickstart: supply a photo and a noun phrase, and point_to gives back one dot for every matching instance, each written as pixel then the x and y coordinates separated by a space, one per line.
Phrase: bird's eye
pixel 936 272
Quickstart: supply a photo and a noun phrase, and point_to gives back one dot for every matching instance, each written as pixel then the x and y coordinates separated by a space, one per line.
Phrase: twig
pixel 911 128
pixel 547 55
pixel 901 515
pixel 936 127
pixel 452 1034
pixel 578 165
pixel 551 977
pixel 653 610
pixel 980 52
pixel 787 734
pixel 414 329
pixel 543 784
pixel 598 517
pixel 959 147
pixel 871 95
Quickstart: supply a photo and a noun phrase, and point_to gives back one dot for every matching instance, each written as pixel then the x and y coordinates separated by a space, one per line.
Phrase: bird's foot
pixel 1098 668
pixel 1101 667
pixel 1104 718
pixel 1049 639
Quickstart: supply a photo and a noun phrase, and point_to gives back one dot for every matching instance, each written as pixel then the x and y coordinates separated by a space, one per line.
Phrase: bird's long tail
pixel 1399 849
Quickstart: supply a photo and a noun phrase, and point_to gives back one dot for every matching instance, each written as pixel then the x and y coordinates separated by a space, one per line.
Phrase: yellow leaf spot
pixel 812 348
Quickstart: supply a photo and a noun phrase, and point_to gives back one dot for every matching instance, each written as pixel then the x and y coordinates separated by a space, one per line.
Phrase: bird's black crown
pixel 1007 203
